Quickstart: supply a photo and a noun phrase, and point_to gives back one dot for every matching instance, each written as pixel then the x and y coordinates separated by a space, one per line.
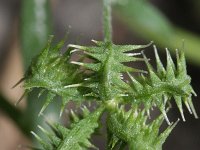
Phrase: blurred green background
pixel 24 29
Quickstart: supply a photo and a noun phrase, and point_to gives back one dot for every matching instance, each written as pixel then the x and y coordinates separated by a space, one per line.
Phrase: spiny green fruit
pixel 102 81
pixel 55 73
pixel 76 137
pixel 108 67
pixel 131 127
pixel 162 85
pixel 51 71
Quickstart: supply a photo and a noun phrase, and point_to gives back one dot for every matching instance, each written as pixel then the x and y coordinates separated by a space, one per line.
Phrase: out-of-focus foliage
pixel 35 29
pixel 35 26
pixel 149 23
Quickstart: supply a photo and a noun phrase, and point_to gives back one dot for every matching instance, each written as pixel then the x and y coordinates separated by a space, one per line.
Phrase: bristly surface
pixel 51 71
pixel 76 137
pixel 108 67
pixel 131 128
pixel 56 74
pixel 162 85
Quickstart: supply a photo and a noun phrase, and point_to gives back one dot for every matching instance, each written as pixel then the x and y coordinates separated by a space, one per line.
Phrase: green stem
pixel 105 89
pixel 107 21
pixel 14 113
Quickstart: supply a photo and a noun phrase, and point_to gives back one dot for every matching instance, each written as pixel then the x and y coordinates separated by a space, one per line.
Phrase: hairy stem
pixel 105 88
pixel 105 81
pixel 107 21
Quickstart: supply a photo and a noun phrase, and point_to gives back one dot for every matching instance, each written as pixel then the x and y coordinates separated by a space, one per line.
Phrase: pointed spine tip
pixel 42 110
pixel 62 109
pixel 77 47
pixel 168 53
pixel 42 129
pixel 148 114
pixel 34 134
pixel 193 109
pixel 94 41
pixel 188 107
pixel 61 112
pixel 41 92
pixel 21 98
pixel 41 113
pixel 182 115
pixel 194 93
pixel 143 71
pixel 151 42
pixel 195 114
pixel 174 124
pixel 20 81
pixel 73 85
pixel 77 63
pixel 156 53
pixel 74 50
pixel 165 116
pixel 133 54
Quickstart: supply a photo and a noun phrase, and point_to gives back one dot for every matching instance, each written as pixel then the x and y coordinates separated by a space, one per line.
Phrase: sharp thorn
pixel 166 118
pixel 75 50
pixel 193 110
pixel 77 63
pixel 133 54
pixel 148 114
pixel 182 115
pixel 73 85
pixel 94 41
pixel 62 110
pixel 77 46
pixel 21 98
pixel 20 81
pixel 188 107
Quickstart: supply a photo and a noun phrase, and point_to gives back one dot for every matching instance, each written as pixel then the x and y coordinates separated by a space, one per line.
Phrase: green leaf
pixel 35 28
pixel 150 23
pixel 13 113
